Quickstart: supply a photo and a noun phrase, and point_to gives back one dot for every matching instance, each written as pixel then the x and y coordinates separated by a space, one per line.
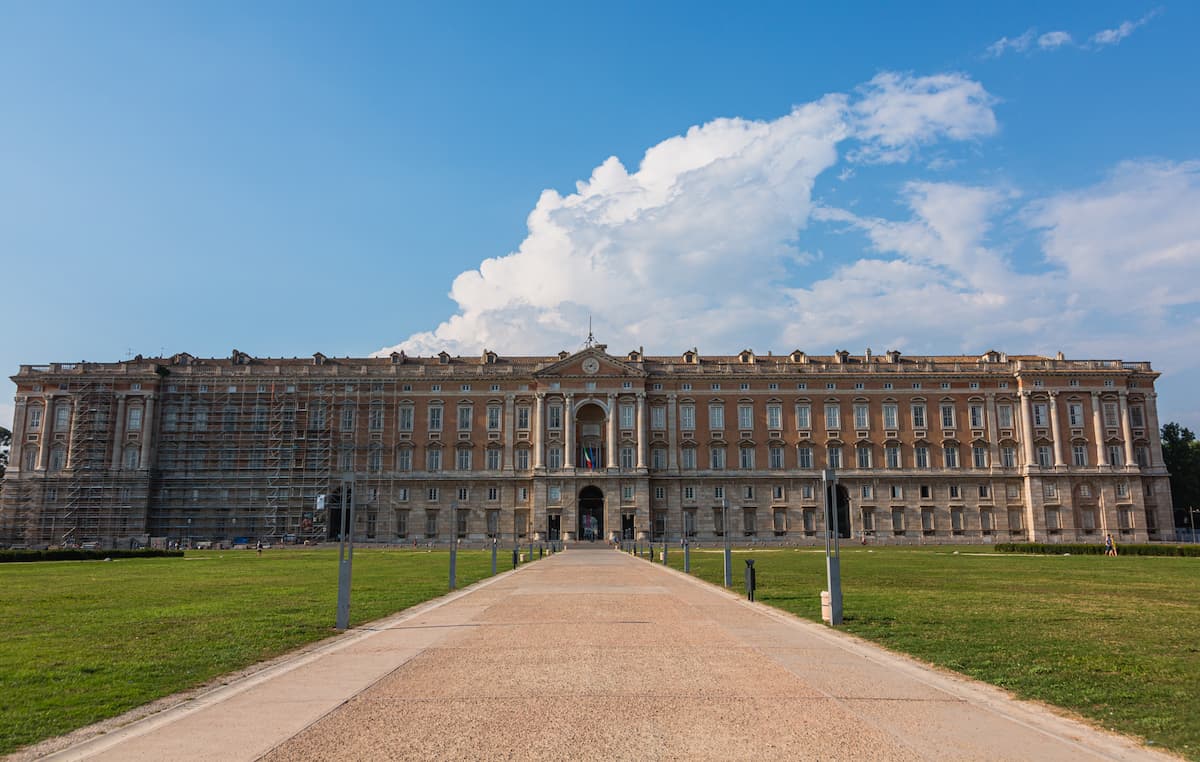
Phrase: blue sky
pixel 290 178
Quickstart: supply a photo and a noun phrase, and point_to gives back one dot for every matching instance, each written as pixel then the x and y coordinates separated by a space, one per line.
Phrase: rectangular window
pixel 947 416
pixel 747 457
pixel 918 416
pixel 658 418
pixel 375 418
pixel 774 417
pixel 35 418
pixel 804 457
pixel 1110 415
pixel 1004 416
pixel 554 459
pixel 1079 455
pixel 955 493
pixel 775 457
pixel 921 455
pixel 891 415
pixel 463 460
pixel 898 520
pixel 627 493
pixel 893 456
pixel 626 411
pixel 135 419
pixel 62 414
pixel 1142 455
pixel 976 412
pixel 554 417
pixel 718 493
pixel 689 493
pixel 431 523
pixel 806 492
pixel 464 418
pixel 347 418
pixel 522 456
pixel 1075 414
pixel 950 456
pixel 1008 457
pixel 897 492
pixel 749 522
pixel 1137 416
pixel 687 458
pixel 803 417
pixel 717 458
pixel 432 494
pixel 979 457
pixel 864 457
pixel 687 417
pixel 1044 456
pixel 984 492
pixel 716 417
pixel 862 416
pixel 523 418
pixel 745 417
pixel 628 457
pixel 433 460
pixel 1014 520
pixel 658 458
pixel 492 459
pixel 404 459
pixel 833 417
pixel 435 418
pixel 835 457
pixel 866 492
pixel 1041 415
pixel 777 493
pixel 493 418
pixel 747 492
pixel 660 493
pixel 1115 456
pixel 926 492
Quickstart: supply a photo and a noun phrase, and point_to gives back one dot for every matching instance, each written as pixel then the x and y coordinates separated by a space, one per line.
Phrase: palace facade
pixel 975 449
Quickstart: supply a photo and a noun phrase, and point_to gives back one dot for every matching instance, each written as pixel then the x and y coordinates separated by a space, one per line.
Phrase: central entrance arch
pixel 591 513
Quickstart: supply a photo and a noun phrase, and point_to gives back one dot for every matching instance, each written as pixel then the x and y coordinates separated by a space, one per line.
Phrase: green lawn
pixel 1114 639
pixel 87 640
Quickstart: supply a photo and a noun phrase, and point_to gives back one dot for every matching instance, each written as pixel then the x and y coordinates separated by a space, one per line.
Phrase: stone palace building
pixel 926 449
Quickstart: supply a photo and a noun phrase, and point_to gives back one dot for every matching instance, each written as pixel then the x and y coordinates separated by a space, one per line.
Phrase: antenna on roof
pixel 591 340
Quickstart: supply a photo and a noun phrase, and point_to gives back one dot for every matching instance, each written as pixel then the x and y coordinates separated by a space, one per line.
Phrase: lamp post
pixel 453 544
pixel 189 532
pixel 728 550
pixel 833 552
pixel 345 559
pixel 1192 521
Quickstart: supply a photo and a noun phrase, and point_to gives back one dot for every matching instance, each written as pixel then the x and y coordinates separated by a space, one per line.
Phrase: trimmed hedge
pixel 1097 549
pixel 78 554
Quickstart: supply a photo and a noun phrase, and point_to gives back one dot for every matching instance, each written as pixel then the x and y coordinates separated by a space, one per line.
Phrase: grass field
pixel 88 640
pixel 1116 640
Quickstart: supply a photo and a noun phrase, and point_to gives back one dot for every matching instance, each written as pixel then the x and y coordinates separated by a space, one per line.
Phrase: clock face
pixel 591 365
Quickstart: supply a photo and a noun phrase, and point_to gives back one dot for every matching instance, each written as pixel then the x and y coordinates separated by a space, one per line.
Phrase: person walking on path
pixel 1110 548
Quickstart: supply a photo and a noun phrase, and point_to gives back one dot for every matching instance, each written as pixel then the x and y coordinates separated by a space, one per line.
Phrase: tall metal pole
pixel 494 543
pixel 728 550
pixel 1192 522
pixel 345 552
pixel 833 552
pixel 454 545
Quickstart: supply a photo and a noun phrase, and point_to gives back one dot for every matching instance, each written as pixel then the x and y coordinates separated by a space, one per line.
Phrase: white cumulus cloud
pixel 694 246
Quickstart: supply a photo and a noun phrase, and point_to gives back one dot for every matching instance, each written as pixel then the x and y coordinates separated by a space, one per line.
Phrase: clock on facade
pixel 591 365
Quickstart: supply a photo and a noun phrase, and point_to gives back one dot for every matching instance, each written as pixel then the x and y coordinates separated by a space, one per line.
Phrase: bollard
pixel 751 579
pixel 493 556
pixel 454 564
pixel 687 557
pixel 541 550
pixel 514 558
pixel 664 552
pixel 826 607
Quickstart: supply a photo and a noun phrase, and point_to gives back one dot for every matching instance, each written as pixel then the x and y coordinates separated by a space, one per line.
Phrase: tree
pixel 1181 453
pixel 5 443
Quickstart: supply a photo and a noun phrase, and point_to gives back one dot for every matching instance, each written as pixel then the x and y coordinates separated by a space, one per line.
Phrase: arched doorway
pixel 591 513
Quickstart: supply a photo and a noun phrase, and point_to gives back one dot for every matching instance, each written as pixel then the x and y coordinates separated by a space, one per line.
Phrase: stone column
pixel 18 435
pixel 118 432
pixel 539 423
pixel 612 431
pixel 1126 428
pixel 1152 430
pixel 672 435
pixel 568 431
pixel 993 445
pixel 1027 428
pixel 641 430
pixel 47 432
pixel 1098 426
pixel 509 426
pixel 147 432
pixel 1056 432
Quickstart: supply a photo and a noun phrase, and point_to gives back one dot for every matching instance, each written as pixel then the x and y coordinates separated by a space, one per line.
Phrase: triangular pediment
pixel 580 365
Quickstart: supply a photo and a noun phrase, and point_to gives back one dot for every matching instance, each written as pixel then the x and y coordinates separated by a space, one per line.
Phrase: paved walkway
pixel 595 654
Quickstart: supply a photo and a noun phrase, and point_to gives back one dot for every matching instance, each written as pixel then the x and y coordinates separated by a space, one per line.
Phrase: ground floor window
pixel 779 520
pixel 749 525
pixel 431 524
pixel 402 524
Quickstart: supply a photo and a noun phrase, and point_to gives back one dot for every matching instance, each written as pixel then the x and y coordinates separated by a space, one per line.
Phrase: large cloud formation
pixel 694 247
pixel 705 245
